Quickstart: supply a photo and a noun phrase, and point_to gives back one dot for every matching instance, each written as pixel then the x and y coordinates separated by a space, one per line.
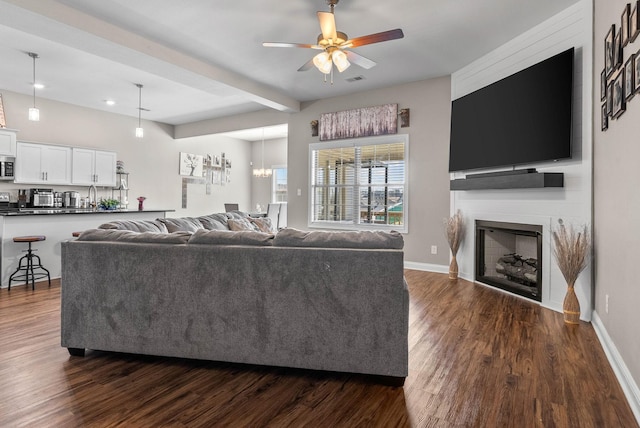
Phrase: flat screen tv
pixel 521 119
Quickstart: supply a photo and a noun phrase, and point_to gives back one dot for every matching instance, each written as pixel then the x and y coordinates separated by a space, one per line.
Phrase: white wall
pixel 428 150
pixel 570 28
pixel 275 154
pixel 616 219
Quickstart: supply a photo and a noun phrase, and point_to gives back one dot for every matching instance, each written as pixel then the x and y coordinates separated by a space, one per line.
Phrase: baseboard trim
pixel 428 267
pixel 629 386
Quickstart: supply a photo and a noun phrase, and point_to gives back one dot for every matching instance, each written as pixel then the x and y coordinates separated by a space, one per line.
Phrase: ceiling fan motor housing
pixel 341 38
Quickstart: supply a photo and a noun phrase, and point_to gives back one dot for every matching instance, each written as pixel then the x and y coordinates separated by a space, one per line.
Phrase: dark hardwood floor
pixel 477 358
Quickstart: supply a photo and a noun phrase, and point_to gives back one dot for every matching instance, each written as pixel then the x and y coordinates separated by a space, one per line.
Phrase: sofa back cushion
pixel 136 237
pixel 135 225
pixel 214 221
pixel 228 237
pixel 262 224
pixel 361 239
pixel 184 224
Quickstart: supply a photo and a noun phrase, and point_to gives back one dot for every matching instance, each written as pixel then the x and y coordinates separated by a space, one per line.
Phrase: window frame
pixel 359 142
pixel 274 184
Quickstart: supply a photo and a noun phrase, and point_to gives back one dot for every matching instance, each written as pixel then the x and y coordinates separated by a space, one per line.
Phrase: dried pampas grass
pixel 571 250
pixel 454 228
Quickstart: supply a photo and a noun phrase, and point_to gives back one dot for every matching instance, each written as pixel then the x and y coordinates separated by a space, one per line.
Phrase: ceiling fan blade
pixel 374 38
pixel 328 25
pixel 360 60
pixel 307 65
pixel 290 45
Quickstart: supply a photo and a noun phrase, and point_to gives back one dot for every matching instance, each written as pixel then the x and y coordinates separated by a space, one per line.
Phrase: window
pixel 279 184
pixel 359 184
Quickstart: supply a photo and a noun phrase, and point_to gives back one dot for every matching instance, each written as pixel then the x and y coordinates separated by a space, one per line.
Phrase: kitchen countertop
pixel 57 211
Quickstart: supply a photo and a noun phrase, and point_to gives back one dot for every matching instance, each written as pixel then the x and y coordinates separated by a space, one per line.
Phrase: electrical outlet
pixel 434 249
pixel 606 303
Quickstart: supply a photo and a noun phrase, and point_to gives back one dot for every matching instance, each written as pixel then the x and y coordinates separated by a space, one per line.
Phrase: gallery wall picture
pixel 361 122
pixel 191 165
pixel 629 76
pixel 619 105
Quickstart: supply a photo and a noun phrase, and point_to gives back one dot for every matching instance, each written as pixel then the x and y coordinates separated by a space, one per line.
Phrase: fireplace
pixel 509 256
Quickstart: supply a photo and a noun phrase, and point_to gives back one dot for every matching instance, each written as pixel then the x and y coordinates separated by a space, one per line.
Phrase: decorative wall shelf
pixel 528 180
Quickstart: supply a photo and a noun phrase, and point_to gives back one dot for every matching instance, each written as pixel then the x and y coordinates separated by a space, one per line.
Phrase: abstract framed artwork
pixel 608 51
pixel 636 69
pixel 191 165
pixel 624 25
pixel 634 27
pixel 604 117
pixel 629 75
pixel 603 85
pixel 619 104
pixel 361 122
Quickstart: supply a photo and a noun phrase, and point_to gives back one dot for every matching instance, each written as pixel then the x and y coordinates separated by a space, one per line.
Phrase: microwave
pixel 7 167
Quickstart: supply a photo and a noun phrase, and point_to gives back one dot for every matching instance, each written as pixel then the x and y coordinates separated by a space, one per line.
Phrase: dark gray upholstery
pixel 185 224
pixel 135 225
pixel 179 237
pixel 350 239
pixel 228 237
pixel 315 308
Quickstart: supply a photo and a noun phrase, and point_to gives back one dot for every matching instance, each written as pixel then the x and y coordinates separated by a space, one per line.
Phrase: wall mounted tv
pixel 521 119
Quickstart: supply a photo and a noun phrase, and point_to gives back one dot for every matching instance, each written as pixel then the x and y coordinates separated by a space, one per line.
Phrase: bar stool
pixel 30 265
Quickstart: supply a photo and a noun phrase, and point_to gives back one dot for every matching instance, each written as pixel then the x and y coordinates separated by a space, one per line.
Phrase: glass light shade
pixel 262 173
pixel 139 132
pixel 340 60
pixel 34 114
pixel 322 61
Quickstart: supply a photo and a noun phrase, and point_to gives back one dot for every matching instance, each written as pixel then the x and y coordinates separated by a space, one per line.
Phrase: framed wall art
pixel 624 25
pixel 191 165
pixel 604 117
pixel 629 75
pixel 617 51
pixel 609 98
pixel 619 104
pixel 603 85
pixel 608 51
pixel 636 69
pixel 361 122
pixel 634 28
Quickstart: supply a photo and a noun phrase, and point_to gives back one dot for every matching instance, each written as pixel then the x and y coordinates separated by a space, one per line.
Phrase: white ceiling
pixel 203 59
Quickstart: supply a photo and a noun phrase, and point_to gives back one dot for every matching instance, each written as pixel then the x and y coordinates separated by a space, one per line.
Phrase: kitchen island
pixel 57 225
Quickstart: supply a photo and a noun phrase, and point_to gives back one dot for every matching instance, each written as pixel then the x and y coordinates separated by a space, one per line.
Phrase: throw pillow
pixel 186 224
pixel 135 225
pixel 240 224
pixel 263 224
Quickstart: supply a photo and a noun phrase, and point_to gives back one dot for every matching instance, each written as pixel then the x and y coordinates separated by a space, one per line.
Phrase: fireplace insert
pixel 509 256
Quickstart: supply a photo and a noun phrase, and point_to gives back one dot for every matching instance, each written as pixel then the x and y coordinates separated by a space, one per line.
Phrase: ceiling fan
pixel 334 45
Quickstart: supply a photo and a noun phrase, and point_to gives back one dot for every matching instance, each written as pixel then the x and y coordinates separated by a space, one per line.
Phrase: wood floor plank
pixel 477 358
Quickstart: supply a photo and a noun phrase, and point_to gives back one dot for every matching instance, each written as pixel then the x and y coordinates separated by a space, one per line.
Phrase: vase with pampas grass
pixel 454 228
pixel 571 250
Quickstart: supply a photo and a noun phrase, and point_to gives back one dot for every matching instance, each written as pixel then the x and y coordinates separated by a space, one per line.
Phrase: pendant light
pixel 139 130
pixel 34 113
pixel 262 173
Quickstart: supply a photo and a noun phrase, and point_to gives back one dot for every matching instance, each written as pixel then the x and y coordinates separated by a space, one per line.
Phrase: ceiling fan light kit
pixel 334 45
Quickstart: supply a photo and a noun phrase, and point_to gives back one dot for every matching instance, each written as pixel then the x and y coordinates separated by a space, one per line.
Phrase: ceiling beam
pixel 65 25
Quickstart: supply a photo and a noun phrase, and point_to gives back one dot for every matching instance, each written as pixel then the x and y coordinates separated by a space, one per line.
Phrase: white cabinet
pixel 43 164
pixel 7 142
pixel 94 167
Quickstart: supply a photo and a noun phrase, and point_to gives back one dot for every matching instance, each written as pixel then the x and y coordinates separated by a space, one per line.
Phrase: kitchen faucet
pixel 93 203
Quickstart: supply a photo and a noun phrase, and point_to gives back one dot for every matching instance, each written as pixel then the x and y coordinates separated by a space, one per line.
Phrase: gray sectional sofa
pixel 333 301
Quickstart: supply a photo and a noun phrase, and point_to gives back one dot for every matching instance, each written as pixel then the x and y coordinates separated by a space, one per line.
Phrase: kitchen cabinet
pixel 7 142
pixel 96 167
pixel 42 164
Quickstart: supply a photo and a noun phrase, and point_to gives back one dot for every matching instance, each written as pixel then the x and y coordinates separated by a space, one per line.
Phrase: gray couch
pixel 333 301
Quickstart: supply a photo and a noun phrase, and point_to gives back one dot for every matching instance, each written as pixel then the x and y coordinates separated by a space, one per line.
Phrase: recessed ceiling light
pixel 38 85
pixel 110 102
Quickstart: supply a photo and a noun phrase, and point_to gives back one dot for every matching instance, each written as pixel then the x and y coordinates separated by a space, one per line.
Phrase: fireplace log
pixel 518 269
